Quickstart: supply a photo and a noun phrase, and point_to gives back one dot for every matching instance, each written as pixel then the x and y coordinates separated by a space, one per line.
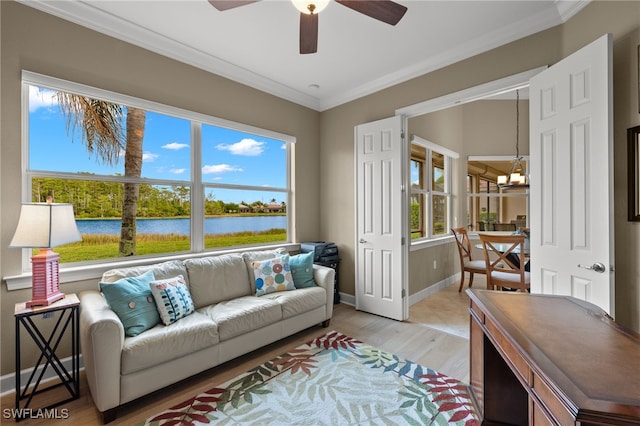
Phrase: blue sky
pixel 229 156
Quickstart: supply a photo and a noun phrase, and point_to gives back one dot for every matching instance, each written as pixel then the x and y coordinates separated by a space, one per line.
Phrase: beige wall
pixel 622 19
pixel 325 205
pixel 41 43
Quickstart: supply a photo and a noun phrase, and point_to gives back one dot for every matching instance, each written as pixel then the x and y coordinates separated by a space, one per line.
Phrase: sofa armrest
pixel 101 340
pixel 324 277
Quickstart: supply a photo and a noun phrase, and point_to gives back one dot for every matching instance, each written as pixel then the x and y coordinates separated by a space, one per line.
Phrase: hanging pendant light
pixel 517 177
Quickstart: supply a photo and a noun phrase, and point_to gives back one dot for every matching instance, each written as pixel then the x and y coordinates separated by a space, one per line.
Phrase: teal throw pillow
pixel 131 299
pixel 172 299
pixel 302 270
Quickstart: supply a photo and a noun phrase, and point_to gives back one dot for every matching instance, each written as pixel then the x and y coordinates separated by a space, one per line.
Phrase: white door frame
pixel 472 94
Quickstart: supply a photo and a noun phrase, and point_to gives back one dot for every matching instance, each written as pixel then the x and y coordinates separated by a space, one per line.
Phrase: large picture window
pixel 430 171
pixel 147 179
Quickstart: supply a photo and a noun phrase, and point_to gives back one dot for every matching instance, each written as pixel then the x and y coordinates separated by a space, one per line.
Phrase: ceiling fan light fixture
pixel 310 7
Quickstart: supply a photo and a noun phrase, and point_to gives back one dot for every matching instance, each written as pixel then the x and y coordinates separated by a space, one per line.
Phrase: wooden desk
pixel 551 360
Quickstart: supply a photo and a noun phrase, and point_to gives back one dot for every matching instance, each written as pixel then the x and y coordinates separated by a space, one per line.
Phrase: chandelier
pixel 517 177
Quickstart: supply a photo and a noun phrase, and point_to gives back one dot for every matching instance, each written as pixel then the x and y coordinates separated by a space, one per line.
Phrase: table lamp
pixel 45 225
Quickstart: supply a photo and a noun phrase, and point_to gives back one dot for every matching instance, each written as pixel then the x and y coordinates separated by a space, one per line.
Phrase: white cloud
pixel 177 171
pixel 175 146
pixel 39 98
pixel 147 156
pixel 219 168
pixel 246 147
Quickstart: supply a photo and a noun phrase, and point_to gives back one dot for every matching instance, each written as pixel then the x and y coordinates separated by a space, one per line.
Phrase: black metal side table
pixel 68 318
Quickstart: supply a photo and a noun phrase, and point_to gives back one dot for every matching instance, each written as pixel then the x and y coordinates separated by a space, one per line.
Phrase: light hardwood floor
pixel 436 336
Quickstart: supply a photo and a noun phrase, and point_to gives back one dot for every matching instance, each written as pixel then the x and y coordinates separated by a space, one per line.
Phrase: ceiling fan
pixel 383 10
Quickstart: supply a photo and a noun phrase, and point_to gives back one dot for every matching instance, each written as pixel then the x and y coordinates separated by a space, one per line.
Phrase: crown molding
pixel 499 37
pixel 84 14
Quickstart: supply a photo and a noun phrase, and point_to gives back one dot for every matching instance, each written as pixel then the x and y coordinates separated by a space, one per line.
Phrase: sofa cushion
pixel 169 269
pixel 172 299
pixel 253 256
pixel 239 316
pixel 130 298
pixel 163 343
pixel 299 301
pixel 302 270
pixel 273 275
pixel 217 278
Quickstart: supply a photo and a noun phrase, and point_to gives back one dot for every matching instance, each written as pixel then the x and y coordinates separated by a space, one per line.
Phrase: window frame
pixel 427 190
pixel 473 198
pixel 195 182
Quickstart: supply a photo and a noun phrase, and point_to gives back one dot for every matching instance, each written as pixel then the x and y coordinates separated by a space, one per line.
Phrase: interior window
pixel 430 189
pixel 489 207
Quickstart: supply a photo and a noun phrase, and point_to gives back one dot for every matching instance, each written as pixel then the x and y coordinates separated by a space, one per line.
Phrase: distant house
pixel 243 208
pixel 273 208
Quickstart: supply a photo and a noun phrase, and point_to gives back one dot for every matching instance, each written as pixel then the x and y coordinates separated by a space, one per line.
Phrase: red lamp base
pixel 45 278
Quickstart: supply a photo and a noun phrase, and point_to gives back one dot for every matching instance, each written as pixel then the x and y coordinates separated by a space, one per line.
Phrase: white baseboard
pixel 8 381
pixel 349 299
pixel 422 294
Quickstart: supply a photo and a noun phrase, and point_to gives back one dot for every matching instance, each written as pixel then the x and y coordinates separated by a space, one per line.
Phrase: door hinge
pixel 404 293
pixel 402 241
pixel 402 135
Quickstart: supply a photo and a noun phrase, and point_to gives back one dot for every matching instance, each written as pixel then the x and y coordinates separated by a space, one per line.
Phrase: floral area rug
pixel 331 380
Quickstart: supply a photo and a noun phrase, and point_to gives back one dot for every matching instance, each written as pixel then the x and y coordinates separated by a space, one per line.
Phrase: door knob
pixel 596 267
pixel 363 241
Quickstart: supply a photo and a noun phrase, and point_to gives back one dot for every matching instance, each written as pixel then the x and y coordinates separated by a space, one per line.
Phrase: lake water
pixel 212 225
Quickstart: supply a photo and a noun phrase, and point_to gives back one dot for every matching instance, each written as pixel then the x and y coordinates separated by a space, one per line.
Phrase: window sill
pixel 432 242
pixel 94 271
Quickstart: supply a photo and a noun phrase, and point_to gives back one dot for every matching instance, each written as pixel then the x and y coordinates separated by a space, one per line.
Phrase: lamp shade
pixel 45 225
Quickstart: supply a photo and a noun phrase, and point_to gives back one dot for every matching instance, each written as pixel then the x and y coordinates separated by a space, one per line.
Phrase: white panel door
pixel 571 195
pixel 380 252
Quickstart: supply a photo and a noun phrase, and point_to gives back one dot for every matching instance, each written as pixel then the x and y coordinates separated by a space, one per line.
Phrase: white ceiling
pixel 257 44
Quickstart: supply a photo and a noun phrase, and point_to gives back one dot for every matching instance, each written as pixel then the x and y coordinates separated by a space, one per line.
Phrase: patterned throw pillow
pixel 130 298
pixel 302 270
pixel 172 299
pixel 273 275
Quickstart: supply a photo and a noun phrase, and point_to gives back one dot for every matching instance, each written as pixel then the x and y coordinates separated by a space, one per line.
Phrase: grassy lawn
pixel 97 247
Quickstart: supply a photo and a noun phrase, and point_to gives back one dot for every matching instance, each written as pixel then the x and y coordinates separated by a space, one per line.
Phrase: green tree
pixel 103 133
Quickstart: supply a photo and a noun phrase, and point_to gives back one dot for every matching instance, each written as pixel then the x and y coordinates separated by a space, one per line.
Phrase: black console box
pixel 323 252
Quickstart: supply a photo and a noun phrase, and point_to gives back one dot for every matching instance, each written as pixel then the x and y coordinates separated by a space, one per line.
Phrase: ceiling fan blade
pixel 223 5
pixel 308 33
pixel 382 10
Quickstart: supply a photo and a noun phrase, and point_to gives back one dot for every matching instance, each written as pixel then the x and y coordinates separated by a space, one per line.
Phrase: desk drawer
pixel 551 402
pixel 511 353
pixel 539 416
pixel 477 311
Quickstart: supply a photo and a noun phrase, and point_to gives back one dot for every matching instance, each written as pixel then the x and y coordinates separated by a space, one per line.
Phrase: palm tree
pixel 101 125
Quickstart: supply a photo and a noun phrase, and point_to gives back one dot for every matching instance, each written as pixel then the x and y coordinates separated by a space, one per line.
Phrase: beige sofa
pixel 229 320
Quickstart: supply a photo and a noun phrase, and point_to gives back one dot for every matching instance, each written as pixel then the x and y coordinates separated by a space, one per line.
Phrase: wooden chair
pixel 466 263
pixel 501 271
